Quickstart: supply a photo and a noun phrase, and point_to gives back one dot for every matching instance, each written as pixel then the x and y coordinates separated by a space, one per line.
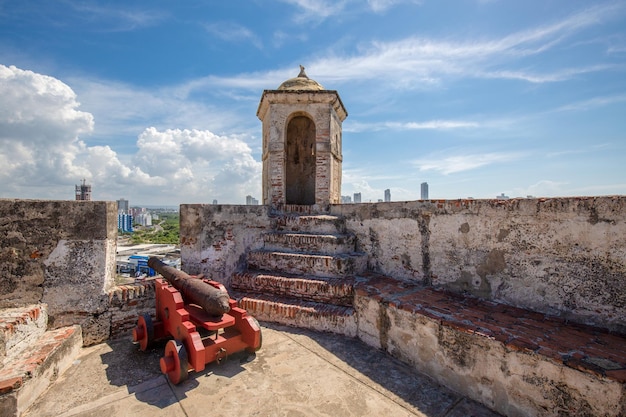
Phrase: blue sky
pixel 155 101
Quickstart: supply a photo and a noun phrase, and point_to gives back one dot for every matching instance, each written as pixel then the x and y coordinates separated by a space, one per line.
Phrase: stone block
pixel 58 252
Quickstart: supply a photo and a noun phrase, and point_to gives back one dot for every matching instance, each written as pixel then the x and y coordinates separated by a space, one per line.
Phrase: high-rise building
pixel 125 222
pixel 346 199
pixel 83 191
pixel 251 201
pixel 122 206
pixel 144 219
pixel 357 197
pixel 387 195
pixel 424 191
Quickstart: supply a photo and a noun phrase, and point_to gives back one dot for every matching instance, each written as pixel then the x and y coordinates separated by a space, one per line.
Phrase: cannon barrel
pixel 195 291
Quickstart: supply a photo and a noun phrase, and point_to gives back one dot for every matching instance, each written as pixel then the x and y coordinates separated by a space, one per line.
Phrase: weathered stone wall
pixel 215 239
pixel 61 253
pixel 561 256
pixel 394 235
pixel 514 382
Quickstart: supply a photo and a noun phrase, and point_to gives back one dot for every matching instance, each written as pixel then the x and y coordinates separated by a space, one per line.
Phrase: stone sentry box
pixel 301 144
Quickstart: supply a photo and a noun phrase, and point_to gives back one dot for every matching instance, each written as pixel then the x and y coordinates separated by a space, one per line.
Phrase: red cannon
pixel 199 335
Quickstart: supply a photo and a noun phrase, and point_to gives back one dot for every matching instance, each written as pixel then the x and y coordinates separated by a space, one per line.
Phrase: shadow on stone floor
pixel 139 371
pixel 417 390
pixel 128 366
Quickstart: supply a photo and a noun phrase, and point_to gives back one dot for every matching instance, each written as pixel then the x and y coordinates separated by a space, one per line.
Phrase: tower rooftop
pixel 301 83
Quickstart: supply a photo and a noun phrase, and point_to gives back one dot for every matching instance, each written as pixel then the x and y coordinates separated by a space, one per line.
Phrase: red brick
pixel 463 327
pixel 583 366
pixel 605 353
pixel 550 353
pixel 522 344
pixel 619 375
pixel 10 384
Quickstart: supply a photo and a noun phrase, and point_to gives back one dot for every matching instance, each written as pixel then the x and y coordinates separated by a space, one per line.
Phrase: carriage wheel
pixel 144 332
pixel 175 363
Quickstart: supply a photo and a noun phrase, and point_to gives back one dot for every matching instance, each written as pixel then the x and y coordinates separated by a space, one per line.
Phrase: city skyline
pixel 157 102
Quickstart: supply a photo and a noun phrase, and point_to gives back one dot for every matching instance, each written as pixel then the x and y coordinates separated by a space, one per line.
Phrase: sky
pixel 155 101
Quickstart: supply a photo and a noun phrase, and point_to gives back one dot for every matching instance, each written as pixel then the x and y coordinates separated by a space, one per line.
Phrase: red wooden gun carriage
pixel 203 323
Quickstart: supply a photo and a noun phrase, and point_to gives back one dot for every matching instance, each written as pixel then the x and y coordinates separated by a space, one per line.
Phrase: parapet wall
pixel 562 256
pixel 61 253
pixel 215 239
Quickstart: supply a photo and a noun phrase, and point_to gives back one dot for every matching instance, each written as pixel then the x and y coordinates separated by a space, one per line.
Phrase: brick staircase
pixel 31 357
pixel 305 273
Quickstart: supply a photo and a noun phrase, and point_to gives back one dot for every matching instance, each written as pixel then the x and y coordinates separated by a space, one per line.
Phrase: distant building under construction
pixel 83 191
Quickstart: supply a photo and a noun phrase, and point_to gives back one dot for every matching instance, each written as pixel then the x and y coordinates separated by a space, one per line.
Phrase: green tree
pixel 166 231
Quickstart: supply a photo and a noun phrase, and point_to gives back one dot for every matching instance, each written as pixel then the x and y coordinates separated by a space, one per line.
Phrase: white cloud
pixel 459 163
pixel 280 38
pixel 122 109
pixel 43 155
pixel 114 18
pixel 368 193
pixel 586 150
pixel 543 188
pixel 593 103
pixel 559 75
pixel 600 189
pixel 413 61
pixel 359 180
pixel 418 62
pixel 379 6
pixel 355 127
pixel 39 128
pixel 249 81
pixel 204 165
pixel 42 104
pixel 233 32
pixel 86 15
pixel 317 10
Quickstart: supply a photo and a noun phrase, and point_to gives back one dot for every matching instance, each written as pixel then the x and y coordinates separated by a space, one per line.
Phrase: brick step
pixel 26 377
pixel 19 328
pixel 309 242
pixel 322 223
pixel 338 291
pixel 299 313
pixel 339 265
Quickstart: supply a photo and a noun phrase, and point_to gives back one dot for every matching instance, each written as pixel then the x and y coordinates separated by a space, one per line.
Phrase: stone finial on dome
pixel 302 73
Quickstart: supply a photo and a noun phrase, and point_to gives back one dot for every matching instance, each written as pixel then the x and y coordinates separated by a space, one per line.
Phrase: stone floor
pixel 296 373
